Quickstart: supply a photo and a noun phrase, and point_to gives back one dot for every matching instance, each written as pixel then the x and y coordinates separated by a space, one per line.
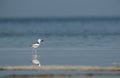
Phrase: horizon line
pixel 58 18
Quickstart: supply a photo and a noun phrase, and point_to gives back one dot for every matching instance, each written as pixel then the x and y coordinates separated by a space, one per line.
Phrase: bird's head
pixel 40 40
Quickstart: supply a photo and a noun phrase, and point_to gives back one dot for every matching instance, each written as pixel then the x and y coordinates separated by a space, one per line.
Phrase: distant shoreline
pixel 57 18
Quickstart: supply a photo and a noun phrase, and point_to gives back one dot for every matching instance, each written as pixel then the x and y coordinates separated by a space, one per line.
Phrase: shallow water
pixel 92 42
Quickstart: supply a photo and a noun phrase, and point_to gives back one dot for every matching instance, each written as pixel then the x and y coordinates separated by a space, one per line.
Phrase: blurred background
pixel 75 32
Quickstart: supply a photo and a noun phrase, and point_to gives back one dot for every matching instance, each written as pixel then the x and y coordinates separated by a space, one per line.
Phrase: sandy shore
pixel 61 75
pixel 57 67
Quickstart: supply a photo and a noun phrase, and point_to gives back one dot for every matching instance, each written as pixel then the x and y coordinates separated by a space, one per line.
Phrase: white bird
pixel 37 44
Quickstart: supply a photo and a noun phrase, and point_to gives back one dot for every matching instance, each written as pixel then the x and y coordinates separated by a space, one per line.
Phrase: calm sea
pixel 67 41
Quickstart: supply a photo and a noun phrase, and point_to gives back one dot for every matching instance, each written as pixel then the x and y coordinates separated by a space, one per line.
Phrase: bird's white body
pixel 36 45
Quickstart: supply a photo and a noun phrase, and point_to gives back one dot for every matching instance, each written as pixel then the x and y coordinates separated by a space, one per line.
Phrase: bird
pixel 36 45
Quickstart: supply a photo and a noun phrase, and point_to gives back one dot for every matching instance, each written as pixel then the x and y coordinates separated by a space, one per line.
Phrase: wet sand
pixel 61 75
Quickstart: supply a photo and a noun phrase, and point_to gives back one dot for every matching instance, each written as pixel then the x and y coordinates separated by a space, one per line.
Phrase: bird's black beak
pixel 42 40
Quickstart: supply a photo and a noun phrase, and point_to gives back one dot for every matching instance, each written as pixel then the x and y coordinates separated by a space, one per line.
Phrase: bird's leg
pixel 36 54
pixel 35 51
